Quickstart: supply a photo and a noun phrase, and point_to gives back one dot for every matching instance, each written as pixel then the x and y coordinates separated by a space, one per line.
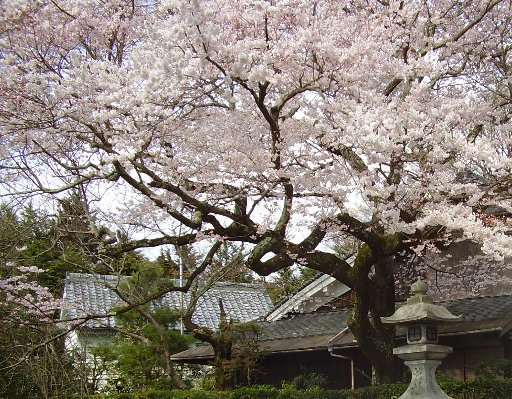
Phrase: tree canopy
pixel 284 125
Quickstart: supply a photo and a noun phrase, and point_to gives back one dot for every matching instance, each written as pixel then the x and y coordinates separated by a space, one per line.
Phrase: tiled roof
pixel 475 309
pixel 87 294
pixel 481 308
pixel 305 325
pixel 301 332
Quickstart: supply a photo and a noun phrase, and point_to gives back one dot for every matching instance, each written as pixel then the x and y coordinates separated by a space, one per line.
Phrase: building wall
pixel 470 350
pixel 462 363
pixel 286 366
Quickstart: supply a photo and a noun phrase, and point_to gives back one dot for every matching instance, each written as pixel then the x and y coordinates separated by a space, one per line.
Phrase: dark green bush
pixel 492 368
pixel 481 388
pixel 390 391
pixel 310 380
pixel 255 392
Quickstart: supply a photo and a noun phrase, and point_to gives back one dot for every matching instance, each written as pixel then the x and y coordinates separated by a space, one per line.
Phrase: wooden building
pixel 320 342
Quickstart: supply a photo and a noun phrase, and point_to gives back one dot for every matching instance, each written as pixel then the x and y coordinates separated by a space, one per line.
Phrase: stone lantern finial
pixel 419 287
pixel 419 290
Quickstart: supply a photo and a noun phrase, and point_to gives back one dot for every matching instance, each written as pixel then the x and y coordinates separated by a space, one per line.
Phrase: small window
pixel 431 333
pixel 414 334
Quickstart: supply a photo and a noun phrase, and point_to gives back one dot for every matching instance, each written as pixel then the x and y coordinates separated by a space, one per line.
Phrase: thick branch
pixel 150 243
pixel 469 26
pixel 348 154
pixel 143 189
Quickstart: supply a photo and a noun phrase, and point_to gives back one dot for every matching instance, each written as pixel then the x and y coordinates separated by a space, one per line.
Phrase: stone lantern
pixel 422 354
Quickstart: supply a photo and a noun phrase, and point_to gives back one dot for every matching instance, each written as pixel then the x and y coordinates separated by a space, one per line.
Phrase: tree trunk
pixel 223 348
pixel 224 378
pixel 221 342
pixel 374 289
pixel 164 340
pixel 376 343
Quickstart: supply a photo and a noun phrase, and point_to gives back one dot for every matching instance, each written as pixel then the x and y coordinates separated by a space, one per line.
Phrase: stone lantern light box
pixel 421 316
pixel 422 354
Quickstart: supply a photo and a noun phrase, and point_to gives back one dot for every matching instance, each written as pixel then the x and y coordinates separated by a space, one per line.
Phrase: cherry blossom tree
pixel 284 125
pixel 27 333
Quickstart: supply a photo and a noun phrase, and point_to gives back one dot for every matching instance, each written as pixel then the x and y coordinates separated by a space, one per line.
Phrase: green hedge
pixel 477 389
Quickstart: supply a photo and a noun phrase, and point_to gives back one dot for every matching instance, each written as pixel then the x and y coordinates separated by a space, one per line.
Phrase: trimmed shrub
pixel 310 380
pixel 481 388
pixel 388 391
pixel 255 392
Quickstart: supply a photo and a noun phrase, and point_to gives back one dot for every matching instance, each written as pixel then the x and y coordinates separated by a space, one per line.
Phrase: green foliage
pixel 482 388
pixel 309 380
pixel 60 243
pixel 165 394
pixel 245 355
pixel 32 237
pixel 492 368
pixel 254 392
pixel 28 369
pixel 229 262
pixel 148 279
pixel 385 391
pixel 137 359
pixel 44 373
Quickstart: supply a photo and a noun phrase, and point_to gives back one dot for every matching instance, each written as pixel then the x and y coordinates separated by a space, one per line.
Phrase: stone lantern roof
pixel 420 308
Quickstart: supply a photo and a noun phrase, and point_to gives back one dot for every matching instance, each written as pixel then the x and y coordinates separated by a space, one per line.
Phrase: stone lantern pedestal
pixel 423 360
pixel 422 354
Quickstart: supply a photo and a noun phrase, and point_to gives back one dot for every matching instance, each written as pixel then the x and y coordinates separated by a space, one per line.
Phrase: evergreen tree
pixel 137 357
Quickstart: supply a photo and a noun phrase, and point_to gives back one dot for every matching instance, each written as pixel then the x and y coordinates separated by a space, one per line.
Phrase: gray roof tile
pixel 332 322
pixel 304 325
pixel 87 294
pixel 481 308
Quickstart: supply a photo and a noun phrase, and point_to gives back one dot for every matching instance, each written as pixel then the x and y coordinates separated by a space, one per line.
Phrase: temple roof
pixel 93 295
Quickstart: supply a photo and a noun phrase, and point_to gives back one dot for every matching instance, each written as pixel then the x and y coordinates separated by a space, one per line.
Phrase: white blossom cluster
pixel 24 300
